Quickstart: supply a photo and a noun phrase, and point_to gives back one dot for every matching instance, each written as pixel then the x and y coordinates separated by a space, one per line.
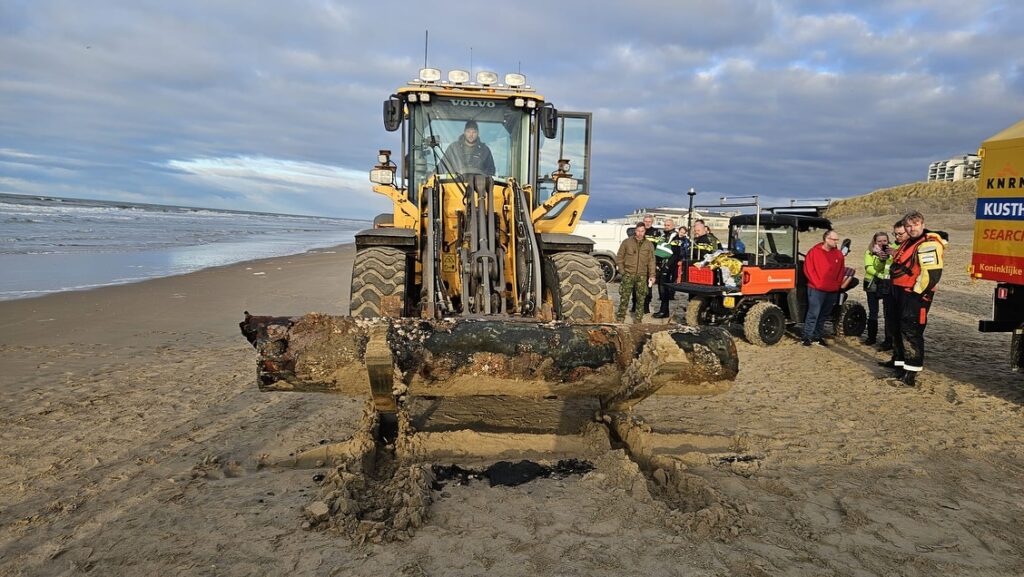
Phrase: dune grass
pixel 927 197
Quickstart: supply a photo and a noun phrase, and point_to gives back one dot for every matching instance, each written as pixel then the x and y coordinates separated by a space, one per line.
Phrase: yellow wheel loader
pixel 481 221
pixel 474 284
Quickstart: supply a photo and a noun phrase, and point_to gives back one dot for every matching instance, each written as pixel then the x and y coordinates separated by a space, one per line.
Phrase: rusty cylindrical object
pixel 621 364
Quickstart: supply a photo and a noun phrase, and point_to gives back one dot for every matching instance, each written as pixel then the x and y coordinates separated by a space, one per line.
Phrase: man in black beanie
pixel 469 155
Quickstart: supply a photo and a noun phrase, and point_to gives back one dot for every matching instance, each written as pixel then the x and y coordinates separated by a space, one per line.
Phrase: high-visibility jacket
pixel 917 265
pixel 875 267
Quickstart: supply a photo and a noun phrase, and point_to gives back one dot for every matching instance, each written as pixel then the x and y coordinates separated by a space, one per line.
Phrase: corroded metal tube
pixel 620 364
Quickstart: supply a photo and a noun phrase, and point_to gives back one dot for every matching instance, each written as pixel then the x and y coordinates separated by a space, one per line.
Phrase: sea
pixel 50 244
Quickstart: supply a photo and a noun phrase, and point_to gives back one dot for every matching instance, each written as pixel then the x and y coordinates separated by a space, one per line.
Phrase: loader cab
pixel 530 140
pixel 438 124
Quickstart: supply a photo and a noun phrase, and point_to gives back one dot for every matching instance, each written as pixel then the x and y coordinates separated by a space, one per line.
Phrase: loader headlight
pixel 531 104
pixel 565 184
pixel 458 76
pixel 413 97
pixel 382 176
pixel 519 102
pixel 430 74
pixel 486 78
pixel 515 80
pixel 384 156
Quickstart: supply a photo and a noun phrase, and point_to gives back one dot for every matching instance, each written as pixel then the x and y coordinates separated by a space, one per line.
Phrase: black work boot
pixel 885 346
pixel 908 379
pixel 872 337
pixel 662 312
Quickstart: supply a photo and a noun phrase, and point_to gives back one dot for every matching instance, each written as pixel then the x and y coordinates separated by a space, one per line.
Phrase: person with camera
pixel 877 259
pixel 899 234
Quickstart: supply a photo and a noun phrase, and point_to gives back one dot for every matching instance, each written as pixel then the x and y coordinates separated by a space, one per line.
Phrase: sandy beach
pixel 133 437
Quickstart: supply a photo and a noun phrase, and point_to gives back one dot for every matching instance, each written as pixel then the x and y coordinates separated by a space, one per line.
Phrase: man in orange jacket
pixel 916 269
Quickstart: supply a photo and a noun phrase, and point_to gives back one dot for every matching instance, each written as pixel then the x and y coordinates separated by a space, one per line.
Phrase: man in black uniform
pixel 668 241
pixel 704 241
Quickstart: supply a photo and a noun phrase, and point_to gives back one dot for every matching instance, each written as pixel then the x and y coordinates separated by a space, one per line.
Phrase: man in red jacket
pixel 825 269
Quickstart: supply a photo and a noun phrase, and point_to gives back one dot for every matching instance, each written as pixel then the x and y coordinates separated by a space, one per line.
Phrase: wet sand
pixel 133 440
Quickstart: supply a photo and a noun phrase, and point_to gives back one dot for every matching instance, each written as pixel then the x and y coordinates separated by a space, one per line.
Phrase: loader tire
pixel 697 311
pixel 377 272
pixel 764 324
pixel 579 281
pixel 850 319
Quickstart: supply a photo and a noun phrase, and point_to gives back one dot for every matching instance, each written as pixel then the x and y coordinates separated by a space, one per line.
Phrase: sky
pixel 276 107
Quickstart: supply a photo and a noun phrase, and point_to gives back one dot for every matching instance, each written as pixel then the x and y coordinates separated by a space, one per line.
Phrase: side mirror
pixel 549 120
pixel 392 113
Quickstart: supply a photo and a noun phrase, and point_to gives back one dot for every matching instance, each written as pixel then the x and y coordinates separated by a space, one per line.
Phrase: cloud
pixel 249 105
pixel 274 184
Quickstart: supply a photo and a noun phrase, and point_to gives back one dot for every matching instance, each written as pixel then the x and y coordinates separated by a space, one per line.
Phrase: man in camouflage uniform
pixel 651 236
pixel 636 261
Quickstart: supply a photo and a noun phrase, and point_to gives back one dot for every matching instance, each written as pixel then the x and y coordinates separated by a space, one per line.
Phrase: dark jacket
pixel 464 158
pixel 667 266
pixel 636 257
pixel 704 244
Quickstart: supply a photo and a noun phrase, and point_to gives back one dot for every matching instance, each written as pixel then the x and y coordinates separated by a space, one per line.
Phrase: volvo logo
pixel 479 103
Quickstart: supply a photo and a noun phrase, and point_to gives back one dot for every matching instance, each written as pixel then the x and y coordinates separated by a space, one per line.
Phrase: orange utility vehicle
pixel 770 291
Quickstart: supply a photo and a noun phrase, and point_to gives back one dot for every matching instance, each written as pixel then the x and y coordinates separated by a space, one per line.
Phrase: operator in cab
pixel 469 155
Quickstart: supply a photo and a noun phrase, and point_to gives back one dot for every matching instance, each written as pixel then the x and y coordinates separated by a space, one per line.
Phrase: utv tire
pixel 377 272
pixel 697 311
pixel 850 319
pixel 576 282
pixel 764 324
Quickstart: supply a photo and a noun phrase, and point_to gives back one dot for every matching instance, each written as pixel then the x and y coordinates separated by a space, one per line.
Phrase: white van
pixel 607 237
